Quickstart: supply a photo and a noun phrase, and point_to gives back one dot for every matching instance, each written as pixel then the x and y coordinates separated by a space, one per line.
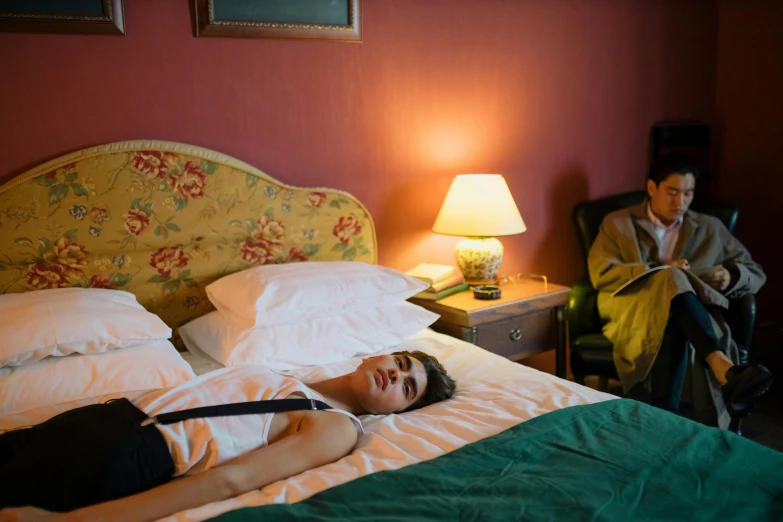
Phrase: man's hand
pixel 30 514
pixel 718 279
pixel 681 263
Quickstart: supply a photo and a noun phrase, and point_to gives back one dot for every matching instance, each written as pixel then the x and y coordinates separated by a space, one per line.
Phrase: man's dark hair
pixel 439 385
pixel 671 163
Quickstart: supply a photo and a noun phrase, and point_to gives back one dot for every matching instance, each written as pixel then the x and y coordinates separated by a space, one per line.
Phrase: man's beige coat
pixel 635 318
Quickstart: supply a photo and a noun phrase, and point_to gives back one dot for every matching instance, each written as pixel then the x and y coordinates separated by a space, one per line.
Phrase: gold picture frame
pixel 103 17
pixel 246 23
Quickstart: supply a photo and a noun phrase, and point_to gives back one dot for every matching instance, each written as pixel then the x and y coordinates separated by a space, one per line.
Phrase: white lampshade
pixel 479 205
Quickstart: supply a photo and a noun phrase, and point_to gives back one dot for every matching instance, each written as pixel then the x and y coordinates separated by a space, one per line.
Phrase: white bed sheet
pixel 493 394
pixel 200 362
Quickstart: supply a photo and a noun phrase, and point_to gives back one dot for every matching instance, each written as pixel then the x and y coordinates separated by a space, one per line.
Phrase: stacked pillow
pixel 77 344
pixel 304 314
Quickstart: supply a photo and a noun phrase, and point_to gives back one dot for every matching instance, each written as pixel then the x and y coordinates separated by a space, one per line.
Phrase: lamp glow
pixel 479 206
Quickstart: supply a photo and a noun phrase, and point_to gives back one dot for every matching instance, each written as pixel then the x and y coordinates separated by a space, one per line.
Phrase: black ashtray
pixel 486 292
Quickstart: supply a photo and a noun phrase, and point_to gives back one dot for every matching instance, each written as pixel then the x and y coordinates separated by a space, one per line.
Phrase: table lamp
pixel 479 206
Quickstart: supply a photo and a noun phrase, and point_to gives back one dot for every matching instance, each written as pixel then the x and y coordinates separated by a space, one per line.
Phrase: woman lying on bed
pixel 74 460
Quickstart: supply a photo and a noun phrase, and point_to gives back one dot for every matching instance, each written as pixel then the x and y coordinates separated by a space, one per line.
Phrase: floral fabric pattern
pixel 162 221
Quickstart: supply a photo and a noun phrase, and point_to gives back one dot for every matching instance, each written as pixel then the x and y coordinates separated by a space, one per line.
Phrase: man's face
pixel 389 383
pixel 672 197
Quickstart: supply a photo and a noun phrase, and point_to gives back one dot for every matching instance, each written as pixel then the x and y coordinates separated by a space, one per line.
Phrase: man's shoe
pixel 744 383
pixel 740 410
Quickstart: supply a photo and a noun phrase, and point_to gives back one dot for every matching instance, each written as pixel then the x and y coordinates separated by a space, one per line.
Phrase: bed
pixel 162 220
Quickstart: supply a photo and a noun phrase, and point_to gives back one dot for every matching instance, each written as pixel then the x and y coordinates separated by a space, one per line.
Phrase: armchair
pixel 591 352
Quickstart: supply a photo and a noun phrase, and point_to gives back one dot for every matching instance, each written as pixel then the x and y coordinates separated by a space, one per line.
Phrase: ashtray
pixel 486 292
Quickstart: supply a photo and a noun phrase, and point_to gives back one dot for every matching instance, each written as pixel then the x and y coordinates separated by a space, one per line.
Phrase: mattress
pixel 493 394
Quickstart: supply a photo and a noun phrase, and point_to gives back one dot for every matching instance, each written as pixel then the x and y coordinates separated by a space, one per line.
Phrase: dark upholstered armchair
pixel 591 352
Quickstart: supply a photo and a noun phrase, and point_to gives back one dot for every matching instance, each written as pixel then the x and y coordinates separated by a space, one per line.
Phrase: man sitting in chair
pixel 655 320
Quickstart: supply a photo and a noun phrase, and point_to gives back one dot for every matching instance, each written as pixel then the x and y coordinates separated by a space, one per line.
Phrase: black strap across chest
pixel 238 408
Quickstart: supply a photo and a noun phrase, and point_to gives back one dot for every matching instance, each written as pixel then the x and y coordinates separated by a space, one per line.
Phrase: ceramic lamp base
pixel 479 259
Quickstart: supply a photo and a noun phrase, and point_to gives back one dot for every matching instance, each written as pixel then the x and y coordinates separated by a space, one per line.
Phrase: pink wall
pixel 750 109
pixel 556 95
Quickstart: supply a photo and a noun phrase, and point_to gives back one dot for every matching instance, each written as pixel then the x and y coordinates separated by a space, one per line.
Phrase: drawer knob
pixel 516 334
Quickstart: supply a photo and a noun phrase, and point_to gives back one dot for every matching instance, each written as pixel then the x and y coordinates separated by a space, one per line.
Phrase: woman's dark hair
pixel 671 163
pixel 439 385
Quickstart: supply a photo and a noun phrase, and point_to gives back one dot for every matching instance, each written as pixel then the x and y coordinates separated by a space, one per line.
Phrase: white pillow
pixel 151 366
pixel 62 321
pixel 319 341
pixel 12 421
pixel 271 295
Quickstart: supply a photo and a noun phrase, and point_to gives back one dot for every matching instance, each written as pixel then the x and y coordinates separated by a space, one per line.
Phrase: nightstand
pixel 529 318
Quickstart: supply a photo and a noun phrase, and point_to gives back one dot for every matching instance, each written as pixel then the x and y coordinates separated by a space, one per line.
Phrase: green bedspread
pixel 616 460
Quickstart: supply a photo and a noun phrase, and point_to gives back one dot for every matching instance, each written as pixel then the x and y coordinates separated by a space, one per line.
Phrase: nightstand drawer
pixel 528 319
pixel 519 337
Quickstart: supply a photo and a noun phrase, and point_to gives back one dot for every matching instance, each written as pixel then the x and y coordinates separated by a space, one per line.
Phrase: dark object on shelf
pixel 486 292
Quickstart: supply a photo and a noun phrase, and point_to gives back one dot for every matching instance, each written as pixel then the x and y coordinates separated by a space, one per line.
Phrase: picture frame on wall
pixel 62 16
pixel 338 20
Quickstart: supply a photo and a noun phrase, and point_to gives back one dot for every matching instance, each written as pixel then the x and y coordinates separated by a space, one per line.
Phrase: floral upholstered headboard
pixel 162 220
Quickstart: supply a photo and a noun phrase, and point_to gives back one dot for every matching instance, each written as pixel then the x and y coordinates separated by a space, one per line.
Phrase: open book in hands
pixel 640 276
pixel 705 274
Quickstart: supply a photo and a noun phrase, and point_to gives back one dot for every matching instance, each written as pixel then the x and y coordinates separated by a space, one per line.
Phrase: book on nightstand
pixel 431 273
pixel 438 295
pixel 453 280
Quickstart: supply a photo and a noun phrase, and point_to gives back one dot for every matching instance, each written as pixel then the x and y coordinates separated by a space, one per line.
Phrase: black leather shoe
pixel 740 411
pixel 744 383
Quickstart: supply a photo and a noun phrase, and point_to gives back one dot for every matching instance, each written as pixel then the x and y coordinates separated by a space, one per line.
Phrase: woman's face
pixel 389 383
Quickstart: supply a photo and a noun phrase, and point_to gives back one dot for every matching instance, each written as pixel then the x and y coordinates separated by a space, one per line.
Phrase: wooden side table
pixel 529 318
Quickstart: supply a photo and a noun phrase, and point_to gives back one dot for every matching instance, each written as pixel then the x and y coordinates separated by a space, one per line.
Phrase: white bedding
pixel 493 394
pixel 200 362
pixel 33 393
